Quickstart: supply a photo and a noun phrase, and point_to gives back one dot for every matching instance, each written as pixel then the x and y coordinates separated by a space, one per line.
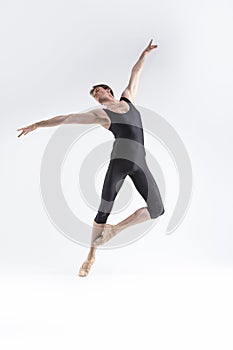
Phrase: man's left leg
pixel 147 187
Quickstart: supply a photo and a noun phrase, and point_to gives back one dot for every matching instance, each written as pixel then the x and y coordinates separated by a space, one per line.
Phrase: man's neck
pixel 111 103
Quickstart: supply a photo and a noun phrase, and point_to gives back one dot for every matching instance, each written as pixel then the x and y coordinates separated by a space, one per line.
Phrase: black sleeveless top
pixel 128 132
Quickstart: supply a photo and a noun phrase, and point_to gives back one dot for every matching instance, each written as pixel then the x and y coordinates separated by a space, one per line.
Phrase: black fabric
pixel 128 158
pixel 126 125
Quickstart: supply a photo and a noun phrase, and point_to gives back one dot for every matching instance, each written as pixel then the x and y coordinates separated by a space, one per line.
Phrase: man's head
pixel 100 92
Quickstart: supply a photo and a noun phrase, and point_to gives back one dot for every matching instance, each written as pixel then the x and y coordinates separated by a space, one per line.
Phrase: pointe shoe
pixel 107 234
pixel 85 268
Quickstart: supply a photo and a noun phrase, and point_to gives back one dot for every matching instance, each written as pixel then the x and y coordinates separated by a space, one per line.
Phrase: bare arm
pixel 91 117
pixel 131 89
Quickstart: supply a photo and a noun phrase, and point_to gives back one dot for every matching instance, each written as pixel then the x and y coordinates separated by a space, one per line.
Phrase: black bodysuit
pixel 128 158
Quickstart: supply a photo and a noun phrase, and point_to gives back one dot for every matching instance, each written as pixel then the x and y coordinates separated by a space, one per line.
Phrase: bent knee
pixel 162 212
pixel 156 213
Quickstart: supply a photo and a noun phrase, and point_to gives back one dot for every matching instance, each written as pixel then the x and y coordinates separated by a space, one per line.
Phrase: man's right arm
pixel 92 117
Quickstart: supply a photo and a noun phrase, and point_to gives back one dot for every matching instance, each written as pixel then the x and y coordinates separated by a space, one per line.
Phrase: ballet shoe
pixel 85 268
pixel 107 234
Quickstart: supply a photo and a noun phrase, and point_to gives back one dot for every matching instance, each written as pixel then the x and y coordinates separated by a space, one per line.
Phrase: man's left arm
pixel 131 89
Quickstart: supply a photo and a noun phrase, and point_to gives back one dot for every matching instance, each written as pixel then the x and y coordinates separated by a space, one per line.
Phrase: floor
pixel 172 309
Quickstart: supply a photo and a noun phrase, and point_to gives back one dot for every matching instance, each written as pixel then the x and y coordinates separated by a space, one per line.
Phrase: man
pixel 127 158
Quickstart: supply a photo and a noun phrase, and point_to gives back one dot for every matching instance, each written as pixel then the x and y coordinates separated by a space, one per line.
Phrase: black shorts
pixel 143 180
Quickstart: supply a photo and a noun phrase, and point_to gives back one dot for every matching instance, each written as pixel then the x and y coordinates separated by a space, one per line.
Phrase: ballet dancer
pixel 128 156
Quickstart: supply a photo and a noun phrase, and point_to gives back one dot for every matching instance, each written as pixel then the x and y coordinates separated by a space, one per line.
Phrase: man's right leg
pixel 118 169
pixel 114 178
pixel 97 229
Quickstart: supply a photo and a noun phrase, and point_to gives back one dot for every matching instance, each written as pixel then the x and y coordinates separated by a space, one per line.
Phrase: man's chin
pixel 102 101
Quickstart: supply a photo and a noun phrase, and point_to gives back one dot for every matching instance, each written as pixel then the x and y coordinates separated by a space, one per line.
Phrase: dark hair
pixel 103 86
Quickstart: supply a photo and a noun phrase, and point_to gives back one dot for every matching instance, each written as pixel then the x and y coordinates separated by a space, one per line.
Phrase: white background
pixel 169 292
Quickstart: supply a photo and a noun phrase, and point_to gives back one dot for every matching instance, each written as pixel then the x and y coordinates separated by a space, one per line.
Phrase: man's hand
pixel 27 129
pixel 150 47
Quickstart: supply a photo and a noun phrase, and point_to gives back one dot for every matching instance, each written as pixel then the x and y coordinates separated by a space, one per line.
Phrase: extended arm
pixel 131 89
pixel 77 118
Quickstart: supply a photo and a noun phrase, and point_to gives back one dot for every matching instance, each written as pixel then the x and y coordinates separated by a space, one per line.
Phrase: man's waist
pixel 129 149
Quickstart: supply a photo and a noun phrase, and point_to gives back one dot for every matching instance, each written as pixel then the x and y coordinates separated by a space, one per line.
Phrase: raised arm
pixel 131 89
pixel 91 117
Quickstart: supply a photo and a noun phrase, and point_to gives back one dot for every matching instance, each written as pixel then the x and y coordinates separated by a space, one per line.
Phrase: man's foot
pixel 85 268
pixel 108 233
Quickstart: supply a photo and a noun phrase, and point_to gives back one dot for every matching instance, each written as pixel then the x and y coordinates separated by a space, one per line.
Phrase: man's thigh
pixel 116 173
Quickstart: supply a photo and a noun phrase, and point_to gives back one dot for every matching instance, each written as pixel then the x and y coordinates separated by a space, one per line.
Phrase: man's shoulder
pixel 127 94
pixel 101 114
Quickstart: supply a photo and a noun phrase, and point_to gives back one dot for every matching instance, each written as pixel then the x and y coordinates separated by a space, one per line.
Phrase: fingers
pixel 25 131
pixel 21 134
pixel 151 47
pixel 24 128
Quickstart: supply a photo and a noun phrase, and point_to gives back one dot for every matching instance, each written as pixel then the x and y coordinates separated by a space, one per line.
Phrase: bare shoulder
pixel 103 118
pixel 126 93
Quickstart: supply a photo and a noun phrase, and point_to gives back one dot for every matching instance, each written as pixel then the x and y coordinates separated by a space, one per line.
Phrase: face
pixel 100 94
